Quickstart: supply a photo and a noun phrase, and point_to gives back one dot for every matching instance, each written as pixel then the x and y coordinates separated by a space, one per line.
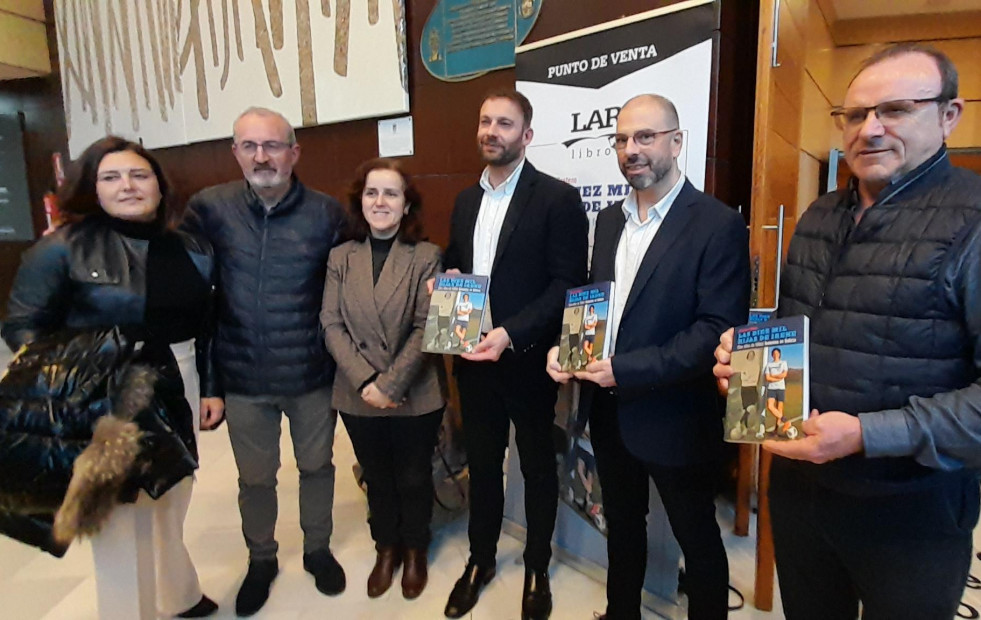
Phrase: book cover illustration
pixel 584 337
pixel 768 392
pixel 456 310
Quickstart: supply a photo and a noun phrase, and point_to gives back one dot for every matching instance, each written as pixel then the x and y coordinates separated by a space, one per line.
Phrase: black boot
pixel 255 588
pixel 536 602
pixel 467 589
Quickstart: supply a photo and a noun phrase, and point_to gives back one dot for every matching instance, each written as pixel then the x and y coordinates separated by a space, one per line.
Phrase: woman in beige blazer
pixel 386 388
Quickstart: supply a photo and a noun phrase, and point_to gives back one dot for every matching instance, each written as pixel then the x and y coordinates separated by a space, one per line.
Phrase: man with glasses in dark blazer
pixel 680 262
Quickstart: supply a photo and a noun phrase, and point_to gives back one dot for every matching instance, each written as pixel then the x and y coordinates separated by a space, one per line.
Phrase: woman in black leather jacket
pixel 117 263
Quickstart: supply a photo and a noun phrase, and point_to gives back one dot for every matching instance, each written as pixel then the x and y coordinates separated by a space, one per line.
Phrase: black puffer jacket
pixel 895 307
pixel 272 267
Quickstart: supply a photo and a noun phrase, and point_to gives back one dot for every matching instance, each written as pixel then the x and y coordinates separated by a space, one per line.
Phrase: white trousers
pixel 142 567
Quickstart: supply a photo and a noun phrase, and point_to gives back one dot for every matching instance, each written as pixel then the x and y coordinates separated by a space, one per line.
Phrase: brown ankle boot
pixel 381 576
pixel 414 572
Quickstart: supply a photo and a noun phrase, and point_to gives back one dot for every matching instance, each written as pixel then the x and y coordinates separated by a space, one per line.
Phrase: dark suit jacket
pixel 541 252
pixel 693 284
pixel 377 328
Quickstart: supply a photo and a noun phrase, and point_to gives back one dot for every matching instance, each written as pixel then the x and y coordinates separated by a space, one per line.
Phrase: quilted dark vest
pixel 886 319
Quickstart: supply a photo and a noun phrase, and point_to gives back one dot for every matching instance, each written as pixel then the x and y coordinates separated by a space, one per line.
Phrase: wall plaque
pixel 463 39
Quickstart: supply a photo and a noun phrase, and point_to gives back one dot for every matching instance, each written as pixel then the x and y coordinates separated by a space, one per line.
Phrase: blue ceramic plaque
pixel 466 38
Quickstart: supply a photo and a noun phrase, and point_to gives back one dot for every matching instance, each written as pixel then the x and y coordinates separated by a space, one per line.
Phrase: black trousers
pixel 903 556
pixel 492 396
pixel 688 494
pixel 396 454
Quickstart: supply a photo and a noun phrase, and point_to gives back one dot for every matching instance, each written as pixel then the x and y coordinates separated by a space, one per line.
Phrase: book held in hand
pixel 456 310
pixel 584 338
pixel 768 392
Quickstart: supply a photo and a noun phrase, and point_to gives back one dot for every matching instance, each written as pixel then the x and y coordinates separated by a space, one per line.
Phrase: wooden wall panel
pixel 798 10
pixel 784 117
pixel 809 182
pixel 964 53
pixel 790 55
pixel 957 25
pixel 781 164
pixel 968 131
pixel 818 133
pixel 819 55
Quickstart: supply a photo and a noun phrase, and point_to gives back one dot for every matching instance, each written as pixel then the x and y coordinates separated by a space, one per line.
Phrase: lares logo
pixel 598 119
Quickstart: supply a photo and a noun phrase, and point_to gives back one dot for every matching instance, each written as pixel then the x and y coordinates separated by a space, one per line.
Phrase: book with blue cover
pixel 456 310
pixel 584 336
pixel 768 392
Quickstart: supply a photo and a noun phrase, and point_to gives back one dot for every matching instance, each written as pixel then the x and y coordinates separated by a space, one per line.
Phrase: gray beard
pixel 264 180
pixel 657 174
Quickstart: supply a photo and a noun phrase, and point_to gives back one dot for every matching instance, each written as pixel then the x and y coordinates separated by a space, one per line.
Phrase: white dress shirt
pixel 493 207
pixel 634 241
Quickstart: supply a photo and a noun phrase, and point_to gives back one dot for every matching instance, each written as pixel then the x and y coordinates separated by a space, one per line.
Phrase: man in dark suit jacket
pixel 680 260
pixel 528 232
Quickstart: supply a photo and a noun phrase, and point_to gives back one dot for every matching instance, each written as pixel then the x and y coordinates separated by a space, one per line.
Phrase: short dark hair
pixel 948 72
pixel 515 97
pixel 78 197
pixel 410 229
pixel 776 350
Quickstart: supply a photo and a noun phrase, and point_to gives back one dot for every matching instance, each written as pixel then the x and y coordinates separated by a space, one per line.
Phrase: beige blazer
pixel 378 329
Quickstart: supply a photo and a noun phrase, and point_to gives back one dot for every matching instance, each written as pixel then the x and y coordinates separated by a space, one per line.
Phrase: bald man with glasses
pixel 680 262
pixel 877 503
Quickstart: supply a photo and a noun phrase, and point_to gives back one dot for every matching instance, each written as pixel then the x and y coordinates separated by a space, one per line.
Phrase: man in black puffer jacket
pixel 878 502
pixel 271 237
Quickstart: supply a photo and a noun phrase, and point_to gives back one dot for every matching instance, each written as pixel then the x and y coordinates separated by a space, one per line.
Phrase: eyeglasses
pixel 269 147
pixel 889 113
pixel 644 137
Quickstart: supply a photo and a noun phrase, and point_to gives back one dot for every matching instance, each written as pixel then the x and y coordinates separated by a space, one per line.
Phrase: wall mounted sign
pixel 463 39
pixel 170 72
pixel 15 201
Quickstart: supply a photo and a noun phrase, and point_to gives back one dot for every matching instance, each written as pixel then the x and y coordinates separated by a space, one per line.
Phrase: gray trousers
pixel 254 430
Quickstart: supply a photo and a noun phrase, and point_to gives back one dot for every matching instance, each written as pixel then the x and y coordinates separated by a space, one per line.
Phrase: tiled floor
pixel 35 586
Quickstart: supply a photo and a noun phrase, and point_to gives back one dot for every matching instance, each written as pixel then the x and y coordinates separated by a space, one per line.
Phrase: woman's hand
pixel 374 397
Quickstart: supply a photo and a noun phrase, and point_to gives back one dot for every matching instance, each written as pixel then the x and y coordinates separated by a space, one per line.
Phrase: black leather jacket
pixel 88 275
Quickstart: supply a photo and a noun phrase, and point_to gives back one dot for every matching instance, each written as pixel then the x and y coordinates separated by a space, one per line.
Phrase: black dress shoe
pixel 327 573
pixel 536 601
pixel 255 589
pixel 467 589
pixel 202 609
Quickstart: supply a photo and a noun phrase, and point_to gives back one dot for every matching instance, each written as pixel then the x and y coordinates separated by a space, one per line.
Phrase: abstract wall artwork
pixel 171 72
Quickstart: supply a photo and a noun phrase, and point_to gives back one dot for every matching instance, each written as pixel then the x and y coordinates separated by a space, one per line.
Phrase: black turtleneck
pixel 379 253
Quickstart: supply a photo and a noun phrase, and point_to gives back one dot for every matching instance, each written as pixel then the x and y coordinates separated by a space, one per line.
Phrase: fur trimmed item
pixel 97 479
pixel 109 461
